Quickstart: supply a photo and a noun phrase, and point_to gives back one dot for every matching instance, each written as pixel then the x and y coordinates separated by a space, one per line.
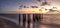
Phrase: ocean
pixel 12 16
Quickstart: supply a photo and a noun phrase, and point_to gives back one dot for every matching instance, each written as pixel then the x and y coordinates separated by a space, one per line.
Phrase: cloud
pixel 34 6
pixel 39 0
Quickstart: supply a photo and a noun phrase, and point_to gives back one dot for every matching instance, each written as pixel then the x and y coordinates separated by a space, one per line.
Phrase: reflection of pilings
pixel 21 20
pixel 31 23
pixel 26 21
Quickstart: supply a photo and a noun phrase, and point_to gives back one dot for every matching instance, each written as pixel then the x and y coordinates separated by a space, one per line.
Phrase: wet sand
pixel 7 24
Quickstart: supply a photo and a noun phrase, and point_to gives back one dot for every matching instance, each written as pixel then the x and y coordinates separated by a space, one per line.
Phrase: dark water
pixel 13 16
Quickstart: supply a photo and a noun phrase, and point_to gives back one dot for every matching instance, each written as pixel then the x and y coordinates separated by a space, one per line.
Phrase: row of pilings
pixel 30 20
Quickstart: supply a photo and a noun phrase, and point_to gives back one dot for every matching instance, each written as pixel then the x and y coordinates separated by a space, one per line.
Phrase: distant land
pixel 10 12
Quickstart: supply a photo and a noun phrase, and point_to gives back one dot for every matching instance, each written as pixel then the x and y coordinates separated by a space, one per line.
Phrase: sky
pixel 13 5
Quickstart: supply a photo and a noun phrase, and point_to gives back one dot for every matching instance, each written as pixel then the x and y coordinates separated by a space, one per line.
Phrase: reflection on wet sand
pixel 39 21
